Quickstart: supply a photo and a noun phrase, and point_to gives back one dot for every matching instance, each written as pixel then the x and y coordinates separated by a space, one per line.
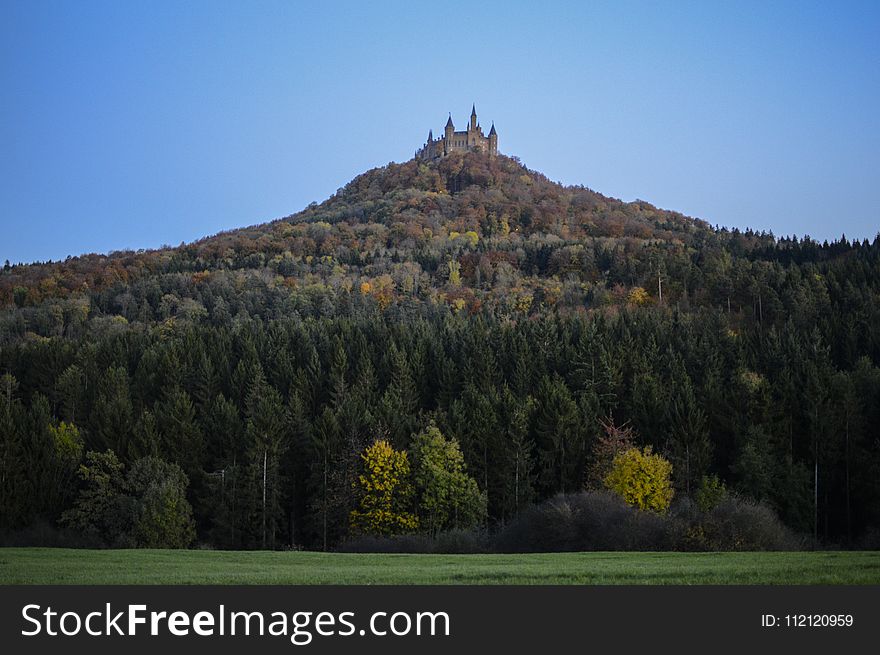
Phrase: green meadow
pixel 65 566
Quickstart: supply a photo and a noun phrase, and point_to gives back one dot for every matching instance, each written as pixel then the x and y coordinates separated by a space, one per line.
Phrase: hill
pixel 521 317
pixel 491 212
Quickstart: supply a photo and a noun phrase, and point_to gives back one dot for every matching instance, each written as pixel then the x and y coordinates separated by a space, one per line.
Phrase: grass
pixel 65 566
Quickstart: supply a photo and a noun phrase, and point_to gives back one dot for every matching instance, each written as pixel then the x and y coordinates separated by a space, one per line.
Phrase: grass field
pixel 62 566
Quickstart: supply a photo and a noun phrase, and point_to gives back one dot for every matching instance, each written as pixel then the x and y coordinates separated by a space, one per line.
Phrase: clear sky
pixel 137 124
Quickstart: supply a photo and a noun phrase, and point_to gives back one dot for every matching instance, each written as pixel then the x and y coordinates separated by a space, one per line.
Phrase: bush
pixel 462 542
pixel 738 524
pixel 597 520
pixel 870 539
pixel 588 521
pixel 734 524
pixel 45 535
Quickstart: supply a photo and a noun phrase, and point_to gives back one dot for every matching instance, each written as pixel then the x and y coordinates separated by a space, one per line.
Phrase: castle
pixel 471 139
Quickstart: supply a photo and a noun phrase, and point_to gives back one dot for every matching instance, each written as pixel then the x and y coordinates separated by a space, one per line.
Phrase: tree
pixel 147 508
pixel 400 402
pixel 265 432
pixel 67 449
pixel 711 493
pixel 688 437
pixel 448 497
pixel 454 269
pixel 14 485
pixel 182 440
pixel 516 460
pixel 161 516
pixel 474 423
pixel 96 513
pixel 385 492
pixel 71 386
pixel 111 417
pixel 642 479
pixel 558 436
pixel 638 296
pixel 755 465
pixel 617 439
pixel 325 445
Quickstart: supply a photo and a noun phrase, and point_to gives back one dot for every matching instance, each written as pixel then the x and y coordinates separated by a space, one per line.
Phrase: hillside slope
pixel 402 212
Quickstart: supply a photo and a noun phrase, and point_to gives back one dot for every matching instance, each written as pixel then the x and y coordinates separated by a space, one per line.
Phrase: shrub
pixel 590 520
pixel 870 539
pixel 733 524
pixel 601 520
pixel 43 534
pixel 462 542
pixel 738 524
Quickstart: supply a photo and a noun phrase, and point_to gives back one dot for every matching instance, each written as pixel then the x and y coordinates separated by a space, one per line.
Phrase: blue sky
pixel 137 124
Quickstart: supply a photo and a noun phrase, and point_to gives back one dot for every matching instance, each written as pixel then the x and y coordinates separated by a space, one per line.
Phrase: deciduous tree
pixel 385 492
pixel 642 479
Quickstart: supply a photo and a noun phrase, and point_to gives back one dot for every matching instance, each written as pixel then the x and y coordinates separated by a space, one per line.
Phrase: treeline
pixel 770 410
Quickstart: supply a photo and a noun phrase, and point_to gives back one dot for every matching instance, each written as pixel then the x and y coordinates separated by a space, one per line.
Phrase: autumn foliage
pixel 642 479
pixel 385 493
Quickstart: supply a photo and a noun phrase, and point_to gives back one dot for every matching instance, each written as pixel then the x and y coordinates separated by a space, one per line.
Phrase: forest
pixel 222 393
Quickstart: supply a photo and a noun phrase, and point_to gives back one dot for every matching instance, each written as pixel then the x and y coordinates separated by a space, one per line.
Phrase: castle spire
pixel 492 131
pixel 449 122
pixel 474 110
pixel 430 135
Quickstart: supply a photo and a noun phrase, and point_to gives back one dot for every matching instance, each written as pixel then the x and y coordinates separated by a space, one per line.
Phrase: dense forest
pixel 244 374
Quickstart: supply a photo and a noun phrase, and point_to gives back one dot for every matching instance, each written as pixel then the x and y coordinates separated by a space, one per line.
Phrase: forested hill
pixel 466 231
pixel 489 213
pixel 517 315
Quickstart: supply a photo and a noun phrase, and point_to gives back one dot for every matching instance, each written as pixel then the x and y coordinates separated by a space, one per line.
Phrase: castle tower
pixel 448 137
pixel 493 141
pixel 473 127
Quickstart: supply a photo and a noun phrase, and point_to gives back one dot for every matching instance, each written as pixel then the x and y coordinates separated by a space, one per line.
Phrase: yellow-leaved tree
pixel 385 492
pixel 454 273
pixel 642 479
pixel 638 296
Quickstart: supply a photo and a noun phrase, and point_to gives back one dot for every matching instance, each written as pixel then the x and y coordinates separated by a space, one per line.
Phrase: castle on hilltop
pixel 469 140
